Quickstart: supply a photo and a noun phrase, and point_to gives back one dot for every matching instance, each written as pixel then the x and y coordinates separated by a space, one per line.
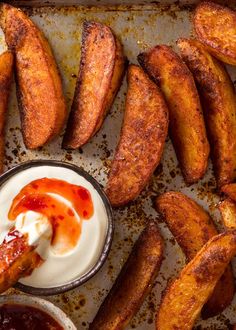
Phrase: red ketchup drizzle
pixel 65 225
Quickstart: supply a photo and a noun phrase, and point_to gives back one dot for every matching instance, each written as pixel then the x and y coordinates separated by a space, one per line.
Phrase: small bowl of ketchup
pixel 60 218
pixel 21 312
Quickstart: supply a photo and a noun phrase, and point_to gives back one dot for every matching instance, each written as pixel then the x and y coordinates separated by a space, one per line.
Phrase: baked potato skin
pixel 17 259
pixel 187 128
pixel 185 296
pixel 39 87
pixel 219 104
pixel 101 71
pixel 192 227
pixel 227 210
pixel 215 26
pixel 142 139
pixel 133 283
pixel 6 71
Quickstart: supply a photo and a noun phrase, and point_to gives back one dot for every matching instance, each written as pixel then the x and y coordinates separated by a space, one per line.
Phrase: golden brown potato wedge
pixel 192 227
pixel 189 223
pixel 102 67
pixel 39 86
pixel 219 104
pixel 17 259
pixel 133 283
pixel 184 298
pixel 215 26
pixel 230 190
pixel 6 70
pixel 142 139
pixel 228 213
pixel 187 128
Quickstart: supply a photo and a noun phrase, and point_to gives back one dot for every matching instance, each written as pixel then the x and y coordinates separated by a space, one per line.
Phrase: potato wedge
pixel 102 67
pixel 133 283
pixel 219 105
pixel 39 86
pixel 187 128
pixel 6 71
pixel 184 298
pixel 230 190
pixel 17 259
pixel 192 227
pixel 189 223
pixel 228 213
pixel 215 26
pixel 142 139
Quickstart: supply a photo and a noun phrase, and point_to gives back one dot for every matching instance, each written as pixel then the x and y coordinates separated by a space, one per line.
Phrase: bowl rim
pixel 109 235
pixel 46 306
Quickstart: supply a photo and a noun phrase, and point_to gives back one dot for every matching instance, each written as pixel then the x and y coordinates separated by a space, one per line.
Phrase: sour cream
pixel 58 267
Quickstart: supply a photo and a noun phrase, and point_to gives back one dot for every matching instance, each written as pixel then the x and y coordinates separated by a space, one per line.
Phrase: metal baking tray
pixel 139 26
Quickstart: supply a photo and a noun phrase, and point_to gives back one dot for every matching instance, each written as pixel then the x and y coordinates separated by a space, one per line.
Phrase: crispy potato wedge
pixel 215 26
pixel 230 190
pixel 219 104
pixel 17 259
pixel 189 223
pixel 102 67
pixel 184 298
pixel 133 283
pixel 142 139
pixel 187 128
pixel 6 71
pixel 39 86
pixel 228 213
pixel 192 227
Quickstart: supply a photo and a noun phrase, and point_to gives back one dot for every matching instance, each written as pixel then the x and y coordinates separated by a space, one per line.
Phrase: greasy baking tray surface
pixel 138 28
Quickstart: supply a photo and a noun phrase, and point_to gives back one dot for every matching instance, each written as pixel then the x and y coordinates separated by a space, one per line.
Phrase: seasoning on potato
pixel 187 128
pixel 185 296
pixel 227 209
pixel 39 86
pixel 215 26
pixel 17 259
pixel 192 227
pixel 219 105
pixel 6 72
pixel 101 71
pixel 133 283
pixel 142 139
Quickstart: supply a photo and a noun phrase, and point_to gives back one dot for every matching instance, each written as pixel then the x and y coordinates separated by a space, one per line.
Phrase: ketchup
pixel 36 197
pixel 20 317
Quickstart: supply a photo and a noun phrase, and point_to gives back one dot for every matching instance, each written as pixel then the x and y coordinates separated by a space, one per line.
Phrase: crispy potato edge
pixel 133 283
